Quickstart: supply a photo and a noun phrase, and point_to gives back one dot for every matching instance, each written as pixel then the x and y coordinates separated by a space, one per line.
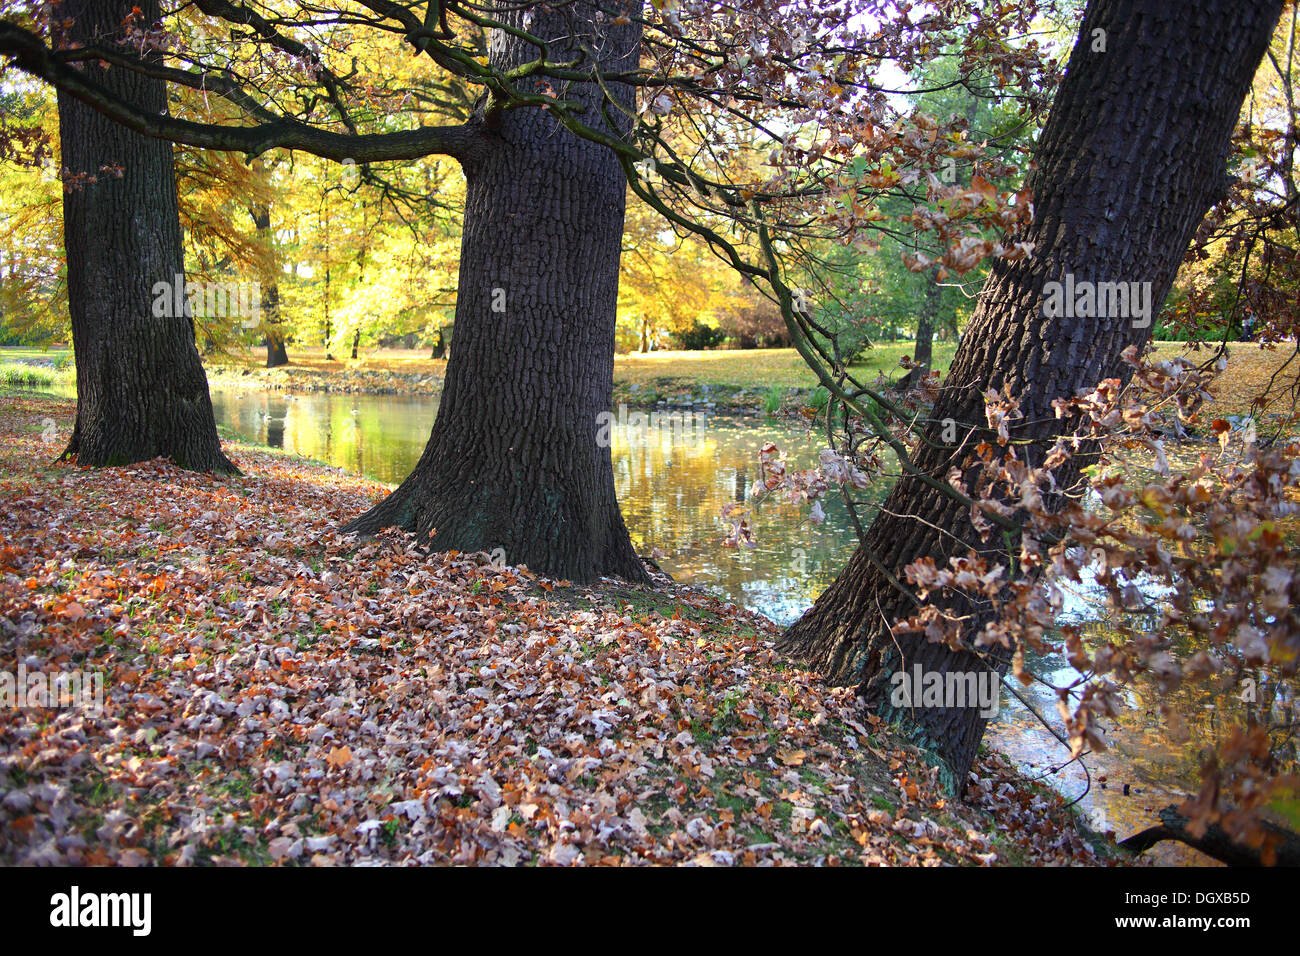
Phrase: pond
pixel 673 487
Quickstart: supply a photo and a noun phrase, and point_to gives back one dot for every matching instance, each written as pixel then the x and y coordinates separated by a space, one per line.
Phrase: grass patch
pixel 765 371
pixel 26 376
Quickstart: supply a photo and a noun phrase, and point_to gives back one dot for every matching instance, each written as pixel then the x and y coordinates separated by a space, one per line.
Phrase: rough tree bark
pixel 1132 156
pixel 513 460
pixel 141 390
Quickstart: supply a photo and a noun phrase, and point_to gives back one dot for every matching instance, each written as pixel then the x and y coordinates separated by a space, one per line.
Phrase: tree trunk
pixel 932 302
pixel 327 329
pixel 276 353
pixel 1132 157
pixel 513 460
pixel 925 326
pixel 925 321
pixel 141 391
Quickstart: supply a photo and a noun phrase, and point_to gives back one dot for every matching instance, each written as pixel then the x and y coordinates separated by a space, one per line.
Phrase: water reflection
pixel 1155 756
pixel 379 436
pixel 673 492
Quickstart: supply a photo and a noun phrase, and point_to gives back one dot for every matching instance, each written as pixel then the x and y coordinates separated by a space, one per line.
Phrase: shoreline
pixel 291 380
pixel 758 381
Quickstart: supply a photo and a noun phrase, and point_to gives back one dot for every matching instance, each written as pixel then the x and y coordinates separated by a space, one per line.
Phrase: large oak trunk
pixel 513 461
pixel 141 391
pixel 1132 156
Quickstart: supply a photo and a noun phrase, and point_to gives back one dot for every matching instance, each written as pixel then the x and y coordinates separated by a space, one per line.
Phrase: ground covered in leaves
pixel 276 692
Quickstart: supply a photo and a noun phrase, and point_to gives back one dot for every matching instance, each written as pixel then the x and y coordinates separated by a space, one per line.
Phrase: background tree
pixel 276 352
pixel 223 245
pixel 668 283
pixel 753 321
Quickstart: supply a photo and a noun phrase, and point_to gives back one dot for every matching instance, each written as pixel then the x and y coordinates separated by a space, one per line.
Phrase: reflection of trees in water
pixel 1155 758
pixel 673 490
pixel 380 437
pixel 277 413
pixel 1165 748
pixel 1170 746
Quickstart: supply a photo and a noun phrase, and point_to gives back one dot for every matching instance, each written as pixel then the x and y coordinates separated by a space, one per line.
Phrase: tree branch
pixel 29 53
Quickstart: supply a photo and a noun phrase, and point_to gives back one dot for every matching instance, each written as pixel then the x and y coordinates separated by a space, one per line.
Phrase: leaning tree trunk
pixel 513 460
pixel 141 391
pixel 1132 156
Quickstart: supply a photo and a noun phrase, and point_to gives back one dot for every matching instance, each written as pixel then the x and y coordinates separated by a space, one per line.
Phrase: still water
pixel 673 487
